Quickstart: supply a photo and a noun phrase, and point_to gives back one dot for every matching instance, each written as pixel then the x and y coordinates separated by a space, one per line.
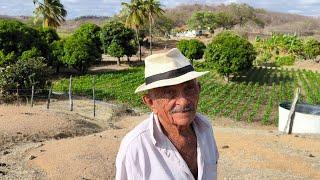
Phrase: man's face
pixel 175 104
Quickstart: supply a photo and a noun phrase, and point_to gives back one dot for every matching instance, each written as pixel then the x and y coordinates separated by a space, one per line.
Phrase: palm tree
pixel 135 17
pixel 153 9
pixel 52 11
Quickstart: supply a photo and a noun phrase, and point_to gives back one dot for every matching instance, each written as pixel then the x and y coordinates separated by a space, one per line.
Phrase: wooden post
pixel 49 96
pixel 17 93
pixel 292 112
pixel 70 94
pixel 93 96
pixel 32 93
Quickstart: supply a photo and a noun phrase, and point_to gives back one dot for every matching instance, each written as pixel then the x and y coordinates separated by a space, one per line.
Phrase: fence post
pixel 17 93
pixel 49 96
pixel 70 93
pixel 32 93
pixel 93 96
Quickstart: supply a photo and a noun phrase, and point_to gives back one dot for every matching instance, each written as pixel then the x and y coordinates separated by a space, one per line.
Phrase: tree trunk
pixel 58 69
pixel 150 33
pixel 128 59
pixel 118 61
pixel 137 33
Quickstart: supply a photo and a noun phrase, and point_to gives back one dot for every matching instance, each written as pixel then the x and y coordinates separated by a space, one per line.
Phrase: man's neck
pixel 171 130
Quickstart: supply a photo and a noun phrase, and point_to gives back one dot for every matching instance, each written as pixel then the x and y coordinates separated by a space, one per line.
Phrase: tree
pixel 124 37
pixel 136 14
pixel 52 12
pixel 153 9
pixel 229 53
pixel 93 32
pixel 193 49
pixel 57 54
pixel 78 53
pixel 116 50
pixel 130 49
pixel 311 48
pixel 16 37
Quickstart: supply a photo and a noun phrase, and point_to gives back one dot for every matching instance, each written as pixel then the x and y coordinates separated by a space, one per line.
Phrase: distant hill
pixel 275 21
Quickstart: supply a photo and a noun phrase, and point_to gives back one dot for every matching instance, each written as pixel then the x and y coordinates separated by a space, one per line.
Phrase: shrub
pixel 285 60
pixel 48 35
pixel 32 53
pixel 78 53
pixel 6 59
pixel 311 48
pixel 23 74
pixel 228 53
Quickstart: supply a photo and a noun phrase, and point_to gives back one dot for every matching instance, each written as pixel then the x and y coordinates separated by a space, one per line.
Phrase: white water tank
pixel 306 119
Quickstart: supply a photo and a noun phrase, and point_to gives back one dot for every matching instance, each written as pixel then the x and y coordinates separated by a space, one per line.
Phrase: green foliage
pixel 57 53
pixel 23 74
pixel 311 48
pixel 192 49
pixel 48 35
pixel 115 50
pixel 229 53
pixel 117 35
pixel 279 45
pixel 32 53
pixel 249 97
pixel 78 53
pixel 163 26
pixel 116 31
pixel 17 37
pixel 92 32
pixel 6 59
pixel 285 60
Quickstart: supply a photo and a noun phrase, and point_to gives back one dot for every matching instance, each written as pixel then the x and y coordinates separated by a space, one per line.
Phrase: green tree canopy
pixel 229 53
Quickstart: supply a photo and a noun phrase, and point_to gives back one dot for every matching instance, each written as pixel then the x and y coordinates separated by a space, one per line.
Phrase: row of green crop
pixel 252 96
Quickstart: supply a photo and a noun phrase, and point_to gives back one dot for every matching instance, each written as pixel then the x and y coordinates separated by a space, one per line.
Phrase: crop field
pixel 251 96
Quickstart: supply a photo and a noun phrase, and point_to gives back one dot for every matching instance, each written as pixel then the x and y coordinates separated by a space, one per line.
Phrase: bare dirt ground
pixel 88 151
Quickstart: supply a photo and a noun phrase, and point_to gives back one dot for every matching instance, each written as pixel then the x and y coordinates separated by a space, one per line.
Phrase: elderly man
pixel 175 142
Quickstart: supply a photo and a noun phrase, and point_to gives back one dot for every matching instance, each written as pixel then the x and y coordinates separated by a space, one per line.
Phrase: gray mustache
pixel 180 109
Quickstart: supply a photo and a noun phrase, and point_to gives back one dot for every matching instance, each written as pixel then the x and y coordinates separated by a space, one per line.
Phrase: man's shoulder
pixel 204 121
pixel 134 137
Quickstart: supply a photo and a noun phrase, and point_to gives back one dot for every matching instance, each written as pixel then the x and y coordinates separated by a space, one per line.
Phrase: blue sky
pixel 77 8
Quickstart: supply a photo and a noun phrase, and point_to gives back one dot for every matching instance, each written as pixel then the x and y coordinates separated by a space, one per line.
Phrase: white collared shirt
pixel 146 153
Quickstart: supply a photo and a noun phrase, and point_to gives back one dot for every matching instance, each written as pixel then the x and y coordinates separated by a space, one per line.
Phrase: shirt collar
pixel 158 137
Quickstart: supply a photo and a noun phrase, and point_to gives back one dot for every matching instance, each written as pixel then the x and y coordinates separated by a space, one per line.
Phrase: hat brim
pixel 169 82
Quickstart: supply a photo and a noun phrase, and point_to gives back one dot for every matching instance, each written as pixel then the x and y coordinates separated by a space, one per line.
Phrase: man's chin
pixel 184 118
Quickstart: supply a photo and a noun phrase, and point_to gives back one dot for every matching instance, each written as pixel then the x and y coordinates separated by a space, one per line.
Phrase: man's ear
pixel 199 86
pixel 148 101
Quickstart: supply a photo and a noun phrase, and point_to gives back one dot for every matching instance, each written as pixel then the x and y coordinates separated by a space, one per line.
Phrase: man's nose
pixel 182 98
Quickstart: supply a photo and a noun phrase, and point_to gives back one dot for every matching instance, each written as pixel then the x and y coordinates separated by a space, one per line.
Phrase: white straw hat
pixel 166 69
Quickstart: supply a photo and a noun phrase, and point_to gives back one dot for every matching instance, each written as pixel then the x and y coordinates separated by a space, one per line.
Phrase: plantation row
pixel 253 96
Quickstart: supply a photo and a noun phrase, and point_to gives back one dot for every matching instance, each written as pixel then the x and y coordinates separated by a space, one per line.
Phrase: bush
pixel 192 49
pixel 17 37
pixel 6 59
pixel 92 32
pixel 48 35
pixel 78 53
pixel 32 53
pixel 23 74
pixel 228 53
pixel 311 48
pixel 285 60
